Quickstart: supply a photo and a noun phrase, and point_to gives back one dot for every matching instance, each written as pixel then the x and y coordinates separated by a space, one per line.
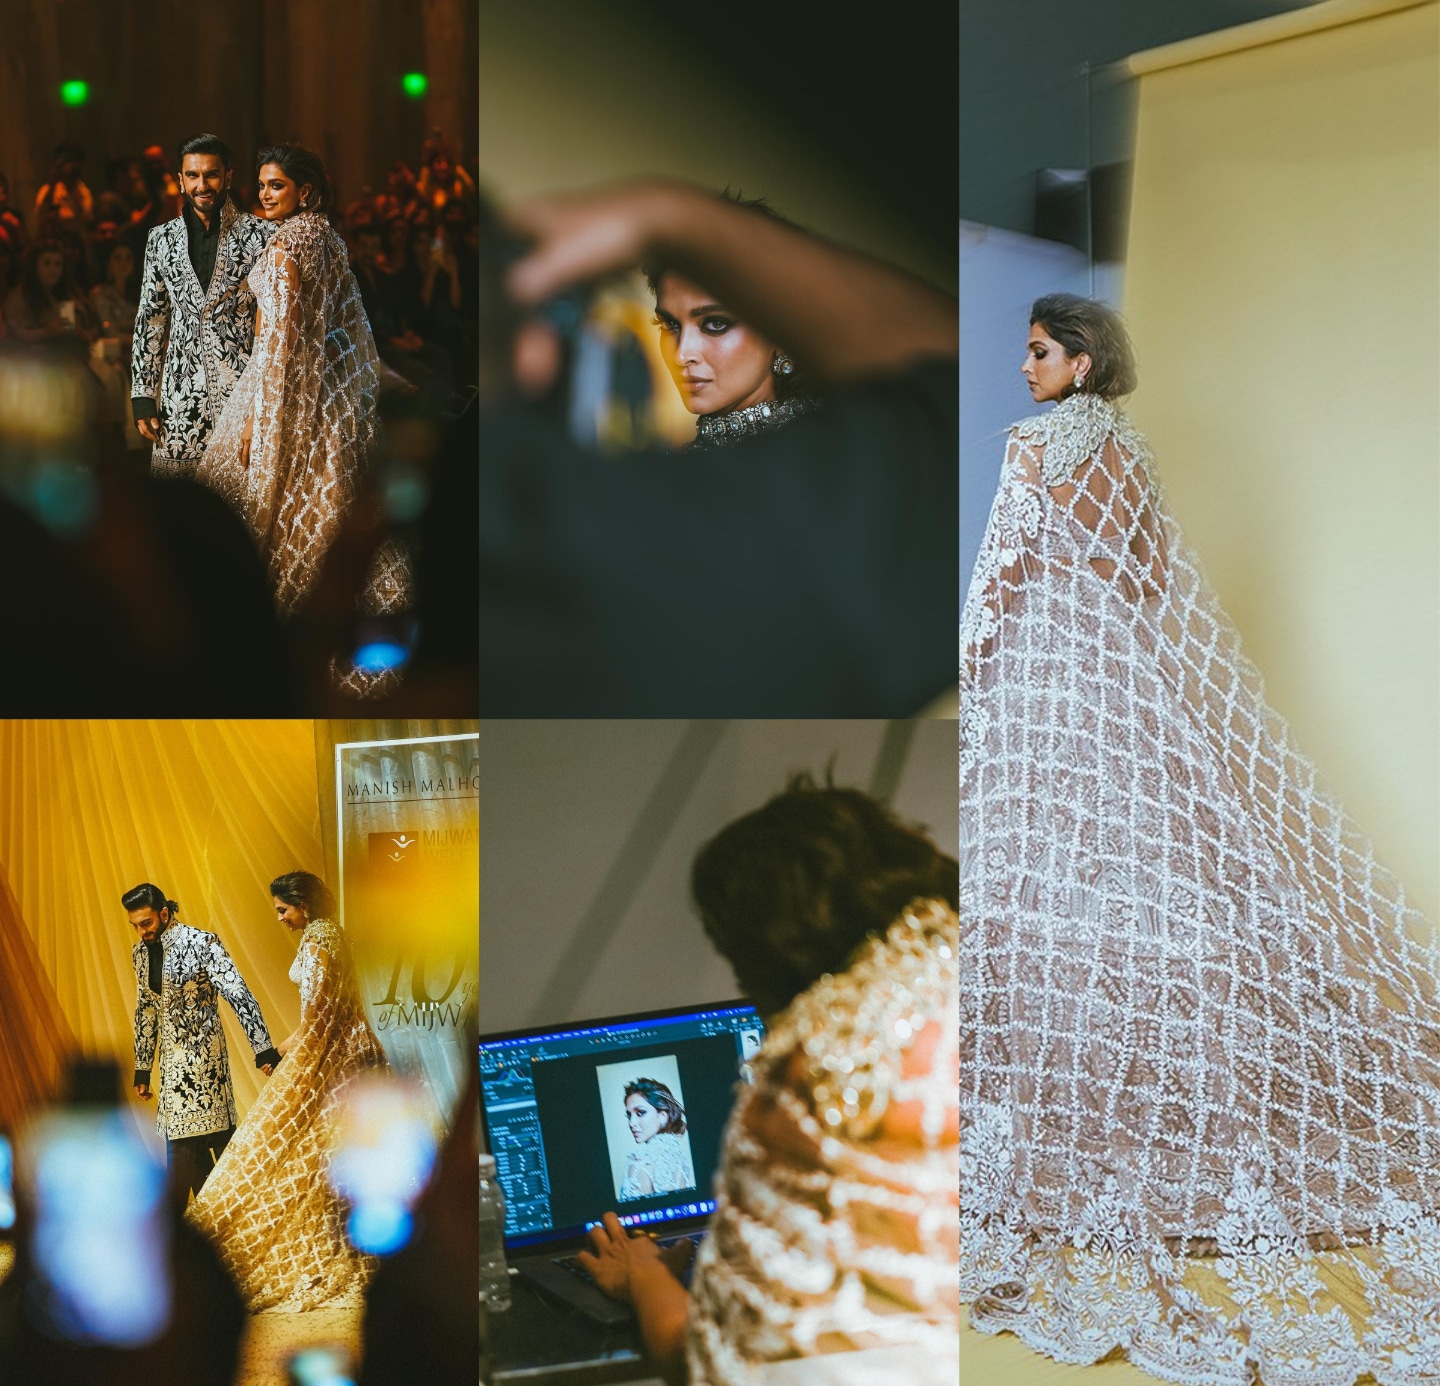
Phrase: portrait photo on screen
pixel 645 1128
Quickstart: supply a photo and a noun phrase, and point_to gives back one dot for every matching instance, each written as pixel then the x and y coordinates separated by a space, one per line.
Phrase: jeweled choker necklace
pixel 718 430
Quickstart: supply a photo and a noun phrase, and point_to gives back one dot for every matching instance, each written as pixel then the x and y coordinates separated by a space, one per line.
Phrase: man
pixel 196 307
pixel 178 970
pixel 809 572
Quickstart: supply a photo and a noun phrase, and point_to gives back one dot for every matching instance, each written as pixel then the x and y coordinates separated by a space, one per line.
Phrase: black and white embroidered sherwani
pixel 202 334
pixel 179 1029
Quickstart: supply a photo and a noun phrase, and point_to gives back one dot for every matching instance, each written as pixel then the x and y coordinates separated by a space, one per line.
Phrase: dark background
pixel 880 96
pixel 572 1125
pixel 324 72
pixel 1025 101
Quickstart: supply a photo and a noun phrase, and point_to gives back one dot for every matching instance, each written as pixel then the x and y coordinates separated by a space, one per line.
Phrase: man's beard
pixel 214 206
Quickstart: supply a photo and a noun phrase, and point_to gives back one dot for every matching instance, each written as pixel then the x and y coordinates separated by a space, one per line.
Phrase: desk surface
pixel 541 1343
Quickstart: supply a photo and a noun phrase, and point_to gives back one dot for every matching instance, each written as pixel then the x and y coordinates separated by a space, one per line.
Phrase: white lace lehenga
pixel 308 393
pixel 1200 1080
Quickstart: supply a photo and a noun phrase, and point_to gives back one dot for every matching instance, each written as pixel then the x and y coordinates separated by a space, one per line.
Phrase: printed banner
pixel 409 844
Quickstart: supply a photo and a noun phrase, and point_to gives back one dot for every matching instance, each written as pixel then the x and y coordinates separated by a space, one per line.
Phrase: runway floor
pixel 270 1339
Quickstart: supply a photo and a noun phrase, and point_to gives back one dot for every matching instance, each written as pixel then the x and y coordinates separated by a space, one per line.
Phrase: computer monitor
pixel 573 1114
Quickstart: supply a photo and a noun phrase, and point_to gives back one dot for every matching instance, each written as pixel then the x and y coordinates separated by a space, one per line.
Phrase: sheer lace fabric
pixel 831 1232
pixel 1201 1040
pixel 308 395
pixel 661 1165
pixel 267 1204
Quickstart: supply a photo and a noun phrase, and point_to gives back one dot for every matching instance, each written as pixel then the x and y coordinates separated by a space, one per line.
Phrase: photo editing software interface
pixel 623 1115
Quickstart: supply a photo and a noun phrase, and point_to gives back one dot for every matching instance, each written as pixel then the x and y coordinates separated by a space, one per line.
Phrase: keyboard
pixel 573 1266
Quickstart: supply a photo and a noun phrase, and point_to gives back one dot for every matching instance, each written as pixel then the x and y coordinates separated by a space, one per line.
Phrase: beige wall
pixel 1283 288
pixel 572 93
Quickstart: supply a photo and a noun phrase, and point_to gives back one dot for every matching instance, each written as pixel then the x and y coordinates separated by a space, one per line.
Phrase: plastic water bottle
pixel 494 1273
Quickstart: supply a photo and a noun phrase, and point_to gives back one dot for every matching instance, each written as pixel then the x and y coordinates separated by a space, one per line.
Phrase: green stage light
pixel 414 84
pixel 75 93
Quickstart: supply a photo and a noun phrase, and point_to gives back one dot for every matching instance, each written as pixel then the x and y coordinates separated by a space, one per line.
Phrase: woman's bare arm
pixel 842 314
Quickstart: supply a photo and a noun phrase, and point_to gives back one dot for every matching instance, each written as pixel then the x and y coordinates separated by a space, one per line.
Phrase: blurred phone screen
pixel 100 1237
pixel 320 1366
pixel 7 1185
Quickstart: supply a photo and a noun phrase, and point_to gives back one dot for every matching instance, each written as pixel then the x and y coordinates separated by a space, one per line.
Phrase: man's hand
pixel 149 429
pixel 267 1069
pixel 142 1091
pixel 618 1254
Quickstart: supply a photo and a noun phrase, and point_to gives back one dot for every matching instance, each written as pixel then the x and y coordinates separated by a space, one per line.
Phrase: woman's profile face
pixel 49 267
pixel 291 916
pixel 717 362
pixel 279 196
pixel 1048 370
pixel 644 1119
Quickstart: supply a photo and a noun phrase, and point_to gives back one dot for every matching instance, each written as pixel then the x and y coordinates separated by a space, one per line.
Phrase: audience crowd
pixel 70 265
pixel 145 594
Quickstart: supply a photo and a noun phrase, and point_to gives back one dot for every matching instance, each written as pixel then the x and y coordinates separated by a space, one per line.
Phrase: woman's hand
pixel 577 237
pixel 245 440
pixel 617 1256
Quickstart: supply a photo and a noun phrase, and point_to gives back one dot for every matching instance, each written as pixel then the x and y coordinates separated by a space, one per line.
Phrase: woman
pixel 835 1226
pixel 113 310
pixel 736 381
pixel 657 1125
pixel 267 1205
pixel 298 430
pixel 46 305
pixel 1203 1043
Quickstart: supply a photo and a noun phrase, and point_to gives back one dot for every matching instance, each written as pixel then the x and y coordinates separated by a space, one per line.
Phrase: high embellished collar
pixel 1074 431
pixel 718 430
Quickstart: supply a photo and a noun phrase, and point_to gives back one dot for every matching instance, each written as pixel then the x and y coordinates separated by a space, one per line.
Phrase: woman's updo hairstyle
pixel 306 890
pixel 1082 324
pixel 787 893
pixel 300 166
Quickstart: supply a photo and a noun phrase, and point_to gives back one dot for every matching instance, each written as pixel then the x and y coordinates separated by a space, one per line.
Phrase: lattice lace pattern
pixel 1201 1040
pixel 309 393
pixel 267 1204
pixel 829 1234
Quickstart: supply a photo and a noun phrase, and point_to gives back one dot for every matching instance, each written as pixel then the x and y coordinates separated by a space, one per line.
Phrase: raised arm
pixel 842 314
pixel 226 979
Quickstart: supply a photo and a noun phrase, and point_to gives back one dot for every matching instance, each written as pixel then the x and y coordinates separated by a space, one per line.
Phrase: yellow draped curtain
pixel 209 811
pixel 34 1038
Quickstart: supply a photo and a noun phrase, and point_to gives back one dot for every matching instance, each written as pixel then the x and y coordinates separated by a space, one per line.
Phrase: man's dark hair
pixel 203 144
pixel 146 896
pixel 307 890
pixel 787 893
pixel 301 166
pixel 662 1099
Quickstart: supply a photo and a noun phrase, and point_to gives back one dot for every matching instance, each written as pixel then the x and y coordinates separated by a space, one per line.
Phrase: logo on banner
pixel 392 852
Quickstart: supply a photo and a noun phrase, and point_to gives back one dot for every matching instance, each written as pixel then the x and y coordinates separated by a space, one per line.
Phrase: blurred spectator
pixel 129 189
pixel 113 304
pixel 9 268
pixel 400 345
pixel 442 181
pixel 12 226
pixel 161 186
pixel 47 303
pixel 64 201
